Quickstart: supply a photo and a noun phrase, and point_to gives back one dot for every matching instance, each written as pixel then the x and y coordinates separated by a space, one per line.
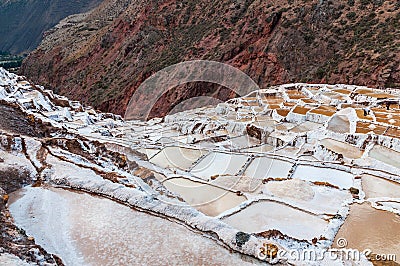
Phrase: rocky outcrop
pixel 102 57
pixel 15 242
pixel 16 170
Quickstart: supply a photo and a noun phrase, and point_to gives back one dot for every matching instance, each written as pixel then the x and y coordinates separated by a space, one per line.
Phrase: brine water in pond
pixel 177 157
pixel 87 230
pixel 385 155
pixel 266 215
pixel 369 228
pixel 218 164
pixel 208 199
pixel 335 177
pixel 375 187
pixel 267 167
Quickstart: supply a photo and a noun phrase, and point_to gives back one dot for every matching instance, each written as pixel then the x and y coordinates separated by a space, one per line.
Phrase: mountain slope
pixel 23 22
pixel 103 57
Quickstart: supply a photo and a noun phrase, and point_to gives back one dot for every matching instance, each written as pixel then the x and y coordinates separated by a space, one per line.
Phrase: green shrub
pixel 320 73
pixel 351 15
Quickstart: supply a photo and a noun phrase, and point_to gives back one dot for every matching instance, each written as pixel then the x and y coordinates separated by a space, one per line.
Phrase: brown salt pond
pixel 366 128
pixel 324 110
pixel 343 148
pixel 87 230
pixel 368 228
pixel 210 200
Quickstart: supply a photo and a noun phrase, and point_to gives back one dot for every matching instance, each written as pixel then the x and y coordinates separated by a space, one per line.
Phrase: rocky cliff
pixel 102 57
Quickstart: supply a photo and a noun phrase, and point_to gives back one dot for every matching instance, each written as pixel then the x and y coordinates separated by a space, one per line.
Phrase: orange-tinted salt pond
pixel 368 228
pixel 87 230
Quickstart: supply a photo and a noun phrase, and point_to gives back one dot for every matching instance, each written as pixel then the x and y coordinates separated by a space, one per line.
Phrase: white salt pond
pixel 206 198
pixel 335 177
pixel 177 157
pixel 391 204
pixel 385 155
pixel 368 228
pixel 267 167
pixel 318 199
pixel 266 215
pixel 219 164
pixel 88 230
